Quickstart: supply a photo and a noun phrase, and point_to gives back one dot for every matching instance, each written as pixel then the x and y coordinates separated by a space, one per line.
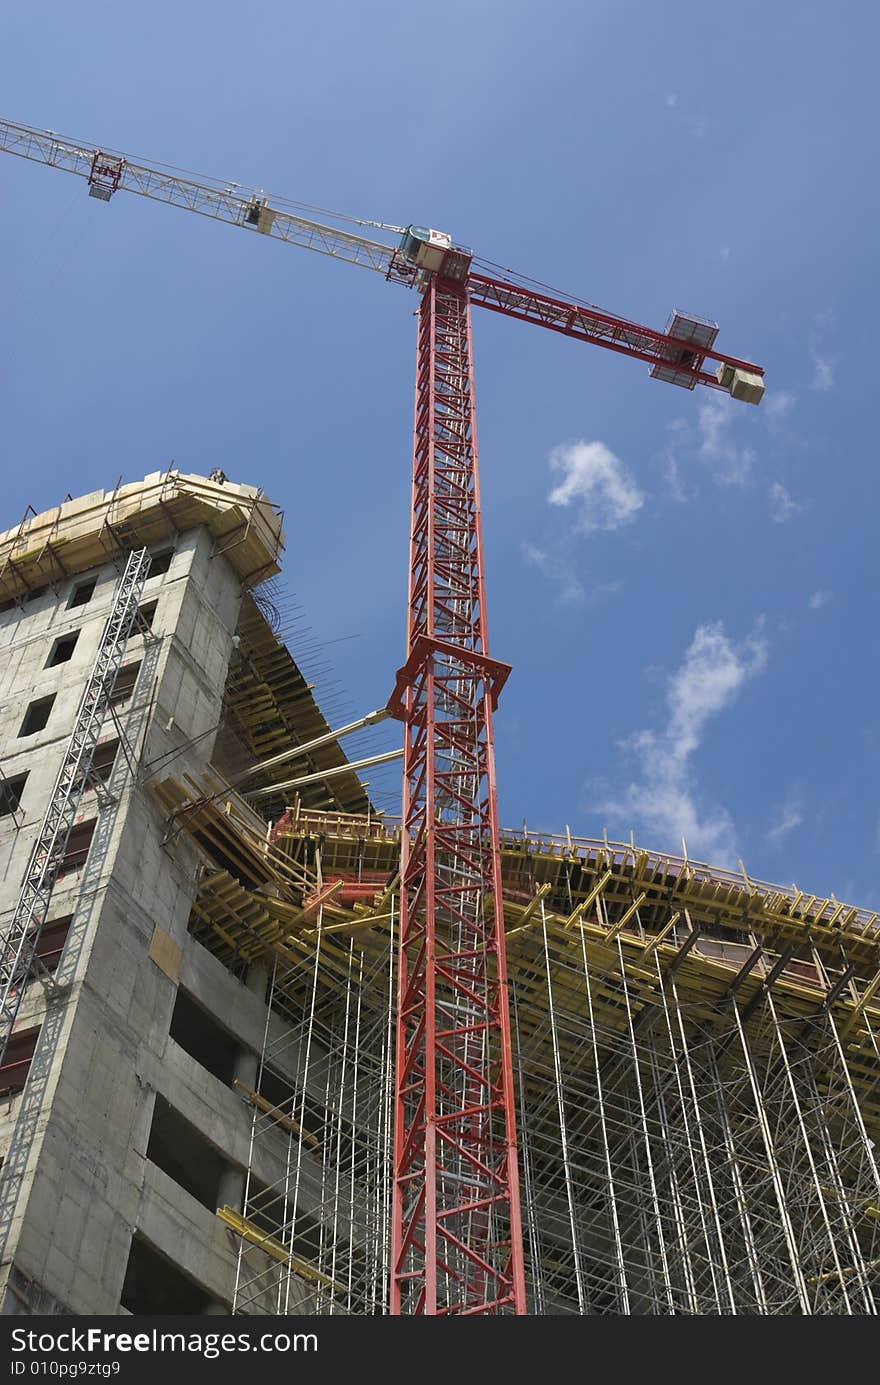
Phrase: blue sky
pixel 685 588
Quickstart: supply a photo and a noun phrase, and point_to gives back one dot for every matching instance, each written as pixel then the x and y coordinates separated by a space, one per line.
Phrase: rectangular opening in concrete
pixel 145 617
pixel 266 1207
pixel 23 598
pixel 37 715
pixel 17 1061
pixel 50 943
pixel 124 683
pixel 104 759
pixel 154 1284
pixel 82 593
pixel 77 848
pixel 181 1151
pixel 300 1106
pixel 62 650
pixel 199 1035
pixel 160 561
pixel 202 932
pixel 11 790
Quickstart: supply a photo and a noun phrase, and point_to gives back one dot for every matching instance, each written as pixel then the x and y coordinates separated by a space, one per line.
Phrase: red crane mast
pixel 456 1240
pixel 456 1243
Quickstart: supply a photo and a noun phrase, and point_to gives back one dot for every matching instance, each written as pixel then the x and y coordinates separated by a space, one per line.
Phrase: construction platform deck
pixel 696 1057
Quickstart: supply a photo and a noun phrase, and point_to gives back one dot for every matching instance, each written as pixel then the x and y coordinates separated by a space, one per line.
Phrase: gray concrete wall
pixel 87 1184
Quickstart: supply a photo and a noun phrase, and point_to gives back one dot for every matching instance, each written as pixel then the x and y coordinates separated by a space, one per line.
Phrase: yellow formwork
pixel 624 902
pixel 628 970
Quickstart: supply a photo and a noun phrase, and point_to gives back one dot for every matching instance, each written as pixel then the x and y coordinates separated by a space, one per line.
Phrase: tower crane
pixel 456 1242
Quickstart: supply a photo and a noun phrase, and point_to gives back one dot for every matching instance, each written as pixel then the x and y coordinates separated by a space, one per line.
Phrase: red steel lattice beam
pixel 456 1224
pixel 586 323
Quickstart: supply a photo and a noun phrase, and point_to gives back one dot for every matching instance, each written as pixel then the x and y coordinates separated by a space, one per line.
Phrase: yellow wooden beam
pixel 263 1105
pixel 624 919
pixel 249 1232
pixel 655 942
pixel 859 1009
pixel 585 904
pixel 530 910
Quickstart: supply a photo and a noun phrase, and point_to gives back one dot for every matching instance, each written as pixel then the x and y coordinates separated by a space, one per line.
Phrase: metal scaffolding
pixel 18 943
pixel 315 1230
pixel 696 1071
pixel 689 1163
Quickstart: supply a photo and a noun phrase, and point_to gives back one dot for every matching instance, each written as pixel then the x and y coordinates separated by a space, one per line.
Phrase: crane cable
pixel 524 281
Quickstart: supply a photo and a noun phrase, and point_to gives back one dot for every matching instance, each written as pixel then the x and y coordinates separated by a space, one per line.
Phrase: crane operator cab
pixel 434 253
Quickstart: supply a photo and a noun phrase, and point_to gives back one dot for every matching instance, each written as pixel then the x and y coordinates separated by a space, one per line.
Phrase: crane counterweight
pixel 745 385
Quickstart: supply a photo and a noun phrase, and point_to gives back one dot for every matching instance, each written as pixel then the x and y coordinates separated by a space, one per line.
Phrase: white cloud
pixel 823 373
pixel 782 506
pixel 597 483
pixel 671 100
pixel 670 460
pixel 559 570
pixel 713 671
pixel 788 816
pixel 778 404
pixel 819 599
pixel 732 464
pixel 714 418
pixel 724 254
pixel 664 800
pixel 535 556
pixel 672 476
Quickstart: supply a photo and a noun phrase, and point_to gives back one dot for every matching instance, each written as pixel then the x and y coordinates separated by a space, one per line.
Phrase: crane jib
pixel 677 355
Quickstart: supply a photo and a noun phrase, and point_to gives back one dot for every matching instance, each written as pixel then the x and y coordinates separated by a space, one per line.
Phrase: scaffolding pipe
pixel 273 789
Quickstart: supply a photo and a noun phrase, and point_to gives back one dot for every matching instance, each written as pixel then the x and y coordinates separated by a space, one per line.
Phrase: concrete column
pixel 247 1063
pixel 258 977
pixel 230 1190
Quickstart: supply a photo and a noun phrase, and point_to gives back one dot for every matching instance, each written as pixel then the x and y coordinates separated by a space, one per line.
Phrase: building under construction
pixel 198 1082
